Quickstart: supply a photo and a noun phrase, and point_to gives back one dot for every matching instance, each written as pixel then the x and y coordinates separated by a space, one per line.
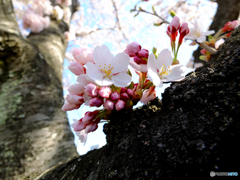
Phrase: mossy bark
pixel 194 130
pixel 34 132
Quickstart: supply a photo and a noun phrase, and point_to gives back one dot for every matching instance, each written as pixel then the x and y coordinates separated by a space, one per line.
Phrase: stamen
pixel 107 70
pixel 164 71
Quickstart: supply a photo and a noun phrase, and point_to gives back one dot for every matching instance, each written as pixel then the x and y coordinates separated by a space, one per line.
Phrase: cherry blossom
pixel 108 69
pixel 160 69
pixel 196 32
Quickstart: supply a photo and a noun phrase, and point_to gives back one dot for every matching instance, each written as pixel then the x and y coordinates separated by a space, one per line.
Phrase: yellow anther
pixel 164 71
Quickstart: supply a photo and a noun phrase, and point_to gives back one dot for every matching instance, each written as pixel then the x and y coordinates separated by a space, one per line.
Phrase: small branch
pixel 118 21
pixel 154 13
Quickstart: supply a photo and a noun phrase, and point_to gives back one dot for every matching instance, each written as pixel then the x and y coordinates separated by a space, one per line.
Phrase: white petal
pixel 102 55
pixel 134 65
pixel 93 72
pixel 86 99
pixel 143 68
pixel 83 79
pixel 178 73
pixel 201 39
pixel 152 62
pixel 164 58
pixel 208 32
pixel 104 82
pixel 153 76
pixel 192 35
pixel 120 62
pixel 122 80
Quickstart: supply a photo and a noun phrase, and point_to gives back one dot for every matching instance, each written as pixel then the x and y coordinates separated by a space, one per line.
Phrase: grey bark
pixel 228 10
pixel 34 132
pixel 195 130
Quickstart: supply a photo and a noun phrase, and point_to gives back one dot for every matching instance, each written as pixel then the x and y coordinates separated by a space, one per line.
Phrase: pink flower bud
pixel 148 95
pixel 132 49
pixel 143 53
pixel 120 105
pixel 83 55
pixel 115 96
pixel 91 127
pixel 75 99
pixel 135 87
pixel 137 59
pixel 123 90
pixel 109 105
pixel 184 30
pixel 130 93
pixel 89 116
pixel 174 25
pixel 91 90
pixel 124 96
pixel 104 92
pixel 77 68
pixel 203 51
pixel 77 89
pixel 68 107
pixel 229 26
pixel 96 101
pixel 169 33
pixel 172 35
pixel 78 125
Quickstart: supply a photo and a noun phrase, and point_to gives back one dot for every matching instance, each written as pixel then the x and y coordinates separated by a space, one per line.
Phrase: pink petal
pixel 68 107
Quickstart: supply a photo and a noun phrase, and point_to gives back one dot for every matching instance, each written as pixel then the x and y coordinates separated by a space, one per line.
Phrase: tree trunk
pixel 195 130
pixel 228 10
pixel 34 132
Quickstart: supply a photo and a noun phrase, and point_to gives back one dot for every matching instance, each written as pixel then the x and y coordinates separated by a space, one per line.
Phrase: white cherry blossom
pixel 160 69
pixel 196 32
pixel 108 69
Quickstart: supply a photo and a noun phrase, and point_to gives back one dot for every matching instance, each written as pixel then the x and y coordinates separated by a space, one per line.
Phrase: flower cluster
pixel 37 15
pixel 35 21
pixel 209 47
pixel 105 80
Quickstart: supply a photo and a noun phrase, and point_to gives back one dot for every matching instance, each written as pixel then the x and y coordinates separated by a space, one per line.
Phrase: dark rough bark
pixel 228 10
pixel 196 130
pixel 34 132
